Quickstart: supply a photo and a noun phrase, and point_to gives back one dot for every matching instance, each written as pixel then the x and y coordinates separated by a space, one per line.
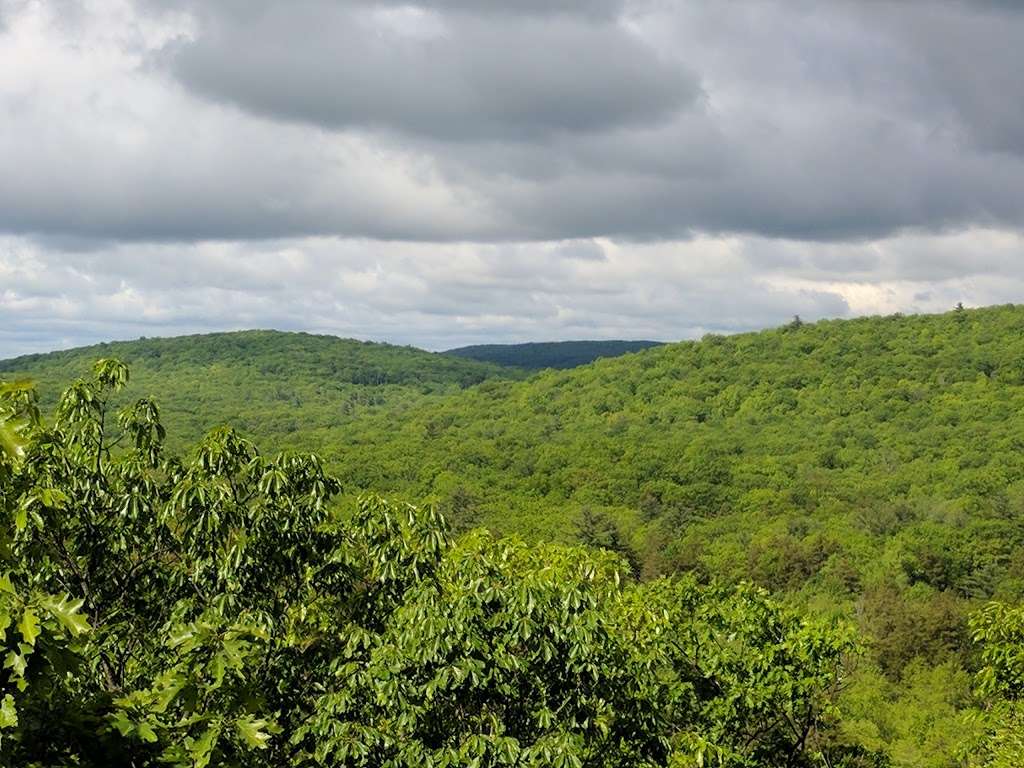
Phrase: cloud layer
pixel 452 171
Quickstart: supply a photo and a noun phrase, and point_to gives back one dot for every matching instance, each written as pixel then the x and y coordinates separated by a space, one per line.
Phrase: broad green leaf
pixel 17 663
pixel 29 626
pixel 8 712
pixel 67 612
pixel 201 748
pixel 255 732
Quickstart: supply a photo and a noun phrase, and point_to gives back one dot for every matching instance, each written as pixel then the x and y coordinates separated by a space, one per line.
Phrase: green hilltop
pixel 270 384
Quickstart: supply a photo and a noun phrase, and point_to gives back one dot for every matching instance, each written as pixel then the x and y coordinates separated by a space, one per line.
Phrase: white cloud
pixel 437 296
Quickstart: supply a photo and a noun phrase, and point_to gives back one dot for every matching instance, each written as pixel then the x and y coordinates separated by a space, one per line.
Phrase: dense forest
pixel 264 383
pixel 214 609
pixel 550 354
pixel 867 474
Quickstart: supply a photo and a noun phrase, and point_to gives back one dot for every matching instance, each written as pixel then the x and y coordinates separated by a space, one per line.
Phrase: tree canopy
pixel 212 609
pixel 870 471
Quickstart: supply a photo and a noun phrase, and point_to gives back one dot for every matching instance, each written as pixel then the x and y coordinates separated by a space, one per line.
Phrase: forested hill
pixel 873 467
pixel 552 354
pixel 270 384
pixel 836 415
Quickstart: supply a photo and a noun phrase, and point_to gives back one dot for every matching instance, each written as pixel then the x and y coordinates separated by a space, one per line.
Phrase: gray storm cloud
pixel 470 77
pixel 454 120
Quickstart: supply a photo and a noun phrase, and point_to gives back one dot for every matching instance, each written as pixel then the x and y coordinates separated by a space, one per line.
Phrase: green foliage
pixel 917 720
pixel 188 572
pixel 286 388
pixel 872 469
pixel 753 683
pixel 38 629
pixel 550 354
pixel 599 531
pixel 214 609
pixel 998 629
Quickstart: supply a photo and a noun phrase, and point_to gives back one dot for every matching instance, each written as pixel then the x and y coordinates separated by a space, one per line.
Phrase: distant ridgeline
pixel 550 354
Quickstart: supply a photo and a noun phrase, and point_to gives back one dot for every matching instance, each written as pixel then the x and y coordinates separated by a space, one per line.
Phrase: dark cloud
pixel 243 9
pixel 487 121
pixel 976 70
pixel 470 78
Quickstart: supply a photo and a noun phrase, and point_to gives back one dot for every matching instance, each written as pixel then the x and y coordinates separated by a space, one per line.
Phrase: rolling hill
pixel 271 385
pixel 872 468
pixel 553 354
pixel 796 418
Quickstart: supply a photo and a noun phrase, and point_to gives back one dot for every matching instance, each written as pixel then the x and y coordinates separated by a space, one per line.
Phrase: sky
pixel 467 171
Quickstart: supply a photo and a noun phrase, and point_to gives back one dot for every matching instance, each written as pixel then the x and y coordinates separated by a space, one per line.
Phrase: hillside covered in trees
pixel 265 383
pixel 214 609
pixel 867 471
pixel 549 354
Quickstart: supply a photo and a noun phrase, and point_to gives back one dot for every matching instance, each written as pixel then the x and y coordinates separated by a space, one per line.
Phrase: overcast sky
pixel 462 171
